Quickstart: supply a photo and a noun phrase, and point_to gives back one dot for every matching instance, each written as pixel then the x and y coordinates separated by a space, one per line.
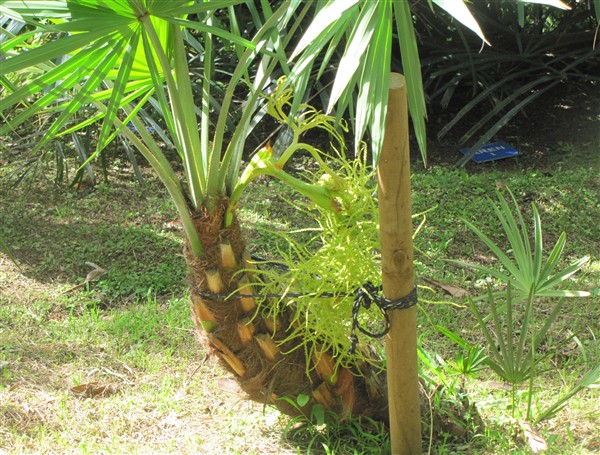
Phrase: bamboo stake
pixel 397 274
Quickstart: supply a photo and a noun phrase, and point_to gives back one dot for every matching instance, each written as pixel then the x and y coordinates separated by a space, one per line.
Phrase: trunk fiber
pixel 252 346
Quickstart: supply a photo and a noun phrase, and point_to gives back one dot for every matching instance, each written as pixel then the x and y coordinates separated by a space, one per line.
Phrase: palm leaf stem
pixel 105 136
pixel 532 361
pixel 185 130
pixel 238 73
pixel 412 68
pixel 231 162
pixel 206 96
pixel 153 154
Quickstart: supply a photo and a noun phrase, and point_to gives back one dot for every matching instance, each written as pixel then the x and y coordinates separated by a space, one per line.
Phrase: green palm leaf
pixel 524 272
pixel 411 65
pixel 120 85
pixel 460 12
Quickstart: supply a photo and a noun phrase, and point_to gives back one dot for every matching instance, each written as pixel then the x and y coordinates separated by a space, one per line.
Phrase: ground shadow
pixel 53 235
pixel 561 127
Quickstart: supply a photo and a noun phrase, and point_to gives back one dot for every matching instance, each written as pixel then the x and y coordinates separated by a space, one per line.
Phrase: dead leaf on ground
pixel 13 386
pixel 172 226
pixel 536 441
pixel 485 259
pixel 498 385
pixel 230 386
pixel 454 291
pixel 94 390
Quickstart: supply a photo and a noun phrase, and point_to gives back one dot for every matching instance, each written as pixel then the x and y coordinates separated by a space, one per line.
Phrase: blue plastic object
pixel 492 152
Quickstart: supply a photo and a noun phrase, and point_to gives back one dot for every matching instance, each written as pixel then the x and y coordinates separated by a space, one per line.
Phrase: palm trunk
pixel 252 347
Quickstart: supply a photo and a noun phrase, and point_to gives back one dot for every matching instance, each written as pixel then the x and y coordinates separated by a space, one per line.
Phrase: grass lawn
pixel 113 365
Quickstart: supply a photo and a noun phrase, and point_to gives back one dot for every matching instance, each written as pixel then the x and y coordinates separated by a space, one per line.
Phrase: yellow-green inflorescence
pixel 344 252
pixel 328 269
pixel 327 190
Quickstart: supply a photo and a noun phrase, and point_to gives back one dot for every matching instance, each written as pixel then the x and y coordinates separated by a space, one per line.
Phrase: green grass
pixel 568 201
pixel 131 329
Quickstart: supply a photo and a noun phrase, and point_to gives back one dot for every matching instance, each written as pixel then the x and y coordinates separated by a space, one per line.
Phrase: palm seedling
pixel 515 328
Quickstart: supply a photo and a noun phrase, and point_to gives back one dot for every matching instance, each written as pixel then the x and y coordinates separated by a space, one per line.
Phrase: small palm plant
pixel 110 59
pixel 514 328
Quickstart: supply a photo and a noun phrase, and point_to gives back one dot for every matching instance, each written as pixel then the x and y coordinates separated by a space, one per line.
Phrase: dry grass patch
pixel 95 392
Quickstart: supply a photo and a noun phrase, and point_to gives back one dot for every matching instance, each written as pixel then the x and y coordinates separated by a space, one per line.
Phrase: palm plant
pixel 514 328
pixel 111 59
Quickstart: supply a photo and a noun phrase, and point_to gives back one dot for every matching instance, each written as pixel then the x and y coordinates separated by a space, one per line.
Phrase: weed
pixel 324 432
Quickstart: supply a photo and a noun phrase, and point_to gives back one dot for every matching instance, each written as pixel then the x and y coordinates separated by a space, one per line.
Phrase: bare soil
pixel 563 126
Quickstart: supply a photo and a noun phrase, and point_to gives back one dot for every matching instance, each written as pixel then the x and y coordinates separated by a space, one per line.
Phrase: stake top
pixel 397 81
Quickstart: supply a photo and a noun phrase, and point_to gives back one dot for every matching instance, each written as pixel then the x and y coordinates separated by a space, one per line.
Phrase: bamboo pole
pixel 397 274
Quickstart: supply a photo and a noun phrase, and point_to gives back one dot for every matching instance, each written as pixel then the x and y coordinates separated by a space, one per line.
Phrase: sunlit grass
pixel 131 329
